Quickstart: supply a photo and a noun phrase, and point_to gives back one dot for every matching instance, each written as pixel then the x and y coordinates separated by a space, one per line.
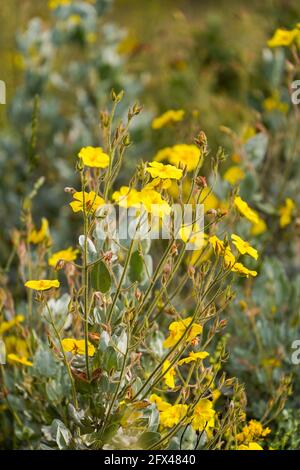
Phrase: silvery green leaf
pixel 256 148
pixel 91 249
pixel 104 341
pixel 63 437
pixel 44 363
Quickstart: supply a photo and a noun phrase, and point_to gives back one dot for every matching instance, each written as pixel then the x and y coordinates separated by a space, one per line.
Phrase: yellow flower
pixel 273 103
pixel 37 236
pixel 286 212
pixel 172 415
pixel 193 357
pixel 66 255
pixel 209 199
pixel 251 446
pixel 53 4
pixel 241 269
pixel 259 228
pixel 193 234
pixel 8 325
pixel 94 157
pixel 187 155
pixel 127 197
pixel 177 330
pixel 245 210
pixel 203 416
pixel 16 345
pixel 169 376
pixel 92 201
pixel 169 117
pixel 162 183
pixel 229 258
pixel 42 284
pixel 217 244
pixel 244 247
pixel 181 154
pixel 77 346
pixel 18 360
pixel 234 174
pixel 221 250
pixel 160 403
pixel 253 431
pixel 283 37
pixel 154 203
pixel 159 170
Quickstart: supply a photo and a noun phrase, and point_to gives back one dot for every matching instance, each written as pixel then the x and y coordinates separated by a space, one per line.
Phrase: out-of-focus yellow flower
pixel 128 45
pixel 283 37
pixel 38 236
pixel 53 4
pixel 172 415
pixel 77 346
pixel 14 359
pixel 160 403
pixel 250 446
pixel 209 199
pixel 181 155
pixel 169 376
pixel 177 330
pixel 8 325
pixel 241 269
pixel 254 430
pixel 75 20
pixel 246 210
pixel 286 212
pixel 91 201
pixel 91 37
pixel 192 234
pixel 203 416
pixel 273 103
pixel 271 363
pixel 70 254
pixel 248 133
pixel 234 175
pixel 94 157
pixel 187 155
pixel 169 117
pixel 259 228
pixel 16 345
pixel 193 357
pixel 42 284
pixel 159 170
pixel 244 247
pixel 159 183
pixel 127 197
pixel 154 203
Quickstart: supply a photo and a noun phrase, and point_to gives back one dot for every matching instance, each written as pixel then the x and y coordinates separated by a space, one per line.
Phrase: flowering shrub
pixel 118 360
pixel 122 324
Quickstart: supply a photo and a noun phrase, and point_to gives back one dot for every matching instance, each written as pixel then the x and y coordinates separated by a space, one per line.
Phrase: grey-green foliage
pixel 66 81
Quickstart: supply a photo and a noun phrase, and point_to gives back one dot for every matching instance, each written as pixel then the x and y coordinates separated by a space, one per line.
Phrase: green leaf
pixel 100 277
pixel 136 267
pixel 44 363
pixel 110 360
pixel 148 439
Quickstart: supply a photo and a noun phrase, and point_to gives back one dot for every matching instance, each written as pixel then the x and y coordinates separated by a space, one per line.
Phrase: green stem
pixel 63 353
